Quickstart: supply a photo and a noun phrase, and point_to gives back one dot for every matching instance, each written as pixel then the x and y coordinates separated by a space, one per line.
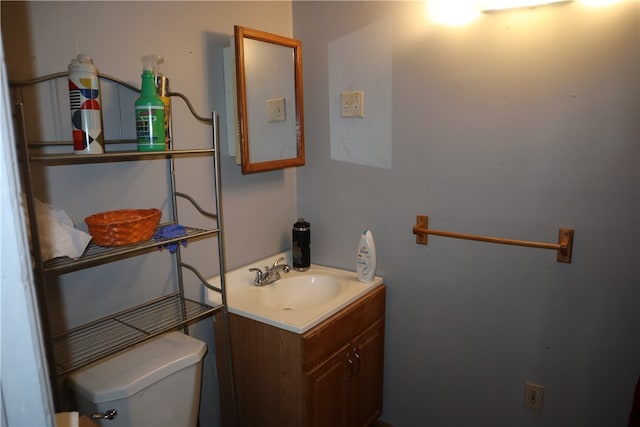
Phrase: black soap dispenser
pixel 301 245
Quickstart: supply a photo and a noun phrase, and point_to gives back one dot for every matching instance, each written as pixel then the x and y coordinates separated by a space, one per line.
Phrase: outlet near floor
pixel 533 396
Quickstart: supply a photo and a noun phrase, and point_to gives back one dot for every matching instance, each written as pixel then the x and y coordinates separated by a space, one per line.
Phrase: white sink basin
pixel 300 291
pixel 298 301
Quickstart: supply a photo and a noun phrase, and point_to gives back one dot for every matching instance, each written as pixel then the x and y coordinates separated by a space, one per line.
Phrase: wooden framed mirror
pixel 269 99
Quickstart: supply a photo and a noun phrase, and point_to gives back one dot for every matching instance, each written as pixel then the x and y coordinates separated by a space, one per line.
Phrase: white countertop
pixel 244 298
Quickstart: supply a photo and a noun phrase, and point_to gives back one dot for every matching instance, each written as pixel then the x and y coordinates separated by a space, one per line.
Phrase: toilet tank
pixel 155 383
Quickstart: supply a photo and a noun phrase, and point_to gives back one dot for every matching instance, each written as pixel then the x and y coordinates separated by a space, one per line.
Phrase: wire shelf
pixel 96 255
pixel 112 156
pixel 83 345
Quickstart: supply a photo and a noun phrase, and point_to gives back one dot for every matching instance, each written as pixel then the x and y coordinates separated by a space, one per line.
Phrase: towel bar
pixel 564 247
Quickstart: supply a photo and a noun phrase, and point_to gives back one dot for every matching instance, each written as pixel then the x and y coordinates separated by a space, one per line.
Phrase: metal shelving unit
pixel 77 347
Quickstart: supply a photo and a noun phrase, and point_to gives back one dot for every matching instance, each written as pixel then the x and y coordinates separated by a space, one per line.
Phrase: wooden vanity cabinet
pixel 329 376
pixel 346 389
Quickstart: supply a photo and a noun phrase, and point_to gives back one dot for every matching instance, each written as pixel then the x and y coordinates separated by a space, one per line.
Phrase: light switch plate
pixel 276 110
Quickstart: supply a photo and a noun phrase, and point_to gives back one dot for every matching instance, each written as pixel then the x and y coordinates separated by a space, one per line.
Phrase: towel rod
pixel 564 245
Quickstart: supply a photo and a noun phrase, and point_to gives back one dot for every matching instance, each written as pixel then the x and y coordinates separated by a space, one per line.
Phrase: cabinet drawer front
pixel 325 339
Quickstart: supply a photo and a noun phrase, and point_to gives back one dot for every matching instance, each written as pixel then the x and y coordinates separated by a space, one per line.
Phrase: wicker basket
pixel 123 227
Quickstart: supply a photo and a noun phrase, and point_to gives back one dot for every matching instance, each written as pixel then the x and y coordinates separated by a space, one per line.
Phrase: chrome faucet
pixel 270 274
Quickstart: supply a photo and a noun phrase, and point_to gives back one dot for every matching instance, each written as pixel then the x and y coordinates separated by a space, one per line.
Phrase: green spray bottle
pixel 150 129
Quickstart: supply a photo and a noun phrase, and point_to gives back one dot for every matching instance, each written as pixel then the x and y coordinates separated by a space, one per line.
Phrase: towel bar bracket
pixel 420 230
pixel 564 247
pixel 565 239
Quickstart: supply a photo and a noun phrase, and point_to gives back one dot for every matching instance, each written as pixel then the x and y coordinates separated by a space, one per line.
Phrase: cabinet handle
pixel 356 365
pixel 349 372
pixel 106 415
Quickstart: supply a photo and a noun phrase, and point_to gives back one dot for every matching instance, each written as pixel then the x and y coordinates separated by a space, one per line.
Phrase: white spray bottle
pixel 366 257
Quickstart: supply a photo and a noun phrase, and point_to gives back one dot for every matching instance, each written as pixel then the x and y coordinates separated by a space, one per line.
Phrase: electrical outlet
pixel 533 396
pixel 276 110
pixel 352 103
pixel 357 103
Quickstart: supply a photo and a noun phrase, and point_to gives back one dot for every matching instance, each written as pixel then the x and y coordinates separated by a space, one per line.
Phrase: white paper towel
pixel 58 236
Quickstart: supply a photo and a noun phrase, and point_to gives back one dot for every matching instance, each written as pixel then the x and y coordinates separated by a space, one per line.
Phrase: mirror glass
pixel 269 91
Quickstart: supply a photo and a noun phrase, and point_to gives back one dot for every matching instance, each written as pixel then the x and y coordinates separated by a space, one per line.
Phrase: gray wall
pixel 512 126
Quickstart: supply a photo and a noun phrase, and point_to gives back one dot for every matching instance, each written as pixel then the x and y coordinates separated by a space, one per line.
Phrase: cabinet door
pixel 366 383
pixel 327 391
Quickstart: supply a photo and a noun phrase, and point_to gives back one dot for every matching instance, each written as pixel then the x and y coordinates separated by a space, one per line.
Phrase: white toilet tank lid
pixel 126 373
